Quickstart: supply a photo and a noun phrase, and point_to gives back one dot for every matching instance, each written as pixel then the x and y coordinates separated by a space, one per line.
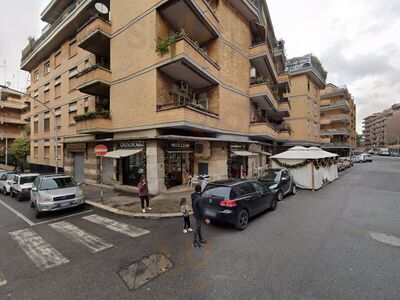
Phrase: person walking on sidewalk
pixel 144 194
pixel 186 217
pixel 198 214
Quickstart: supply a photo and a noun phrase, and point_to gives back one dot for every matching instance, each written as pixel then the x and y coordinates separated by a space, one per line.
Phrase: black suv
pixel 235 201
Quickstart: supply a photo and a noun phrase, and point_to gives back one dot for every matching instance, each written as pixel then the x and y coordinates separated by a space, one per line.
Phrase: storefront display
pixel 178 156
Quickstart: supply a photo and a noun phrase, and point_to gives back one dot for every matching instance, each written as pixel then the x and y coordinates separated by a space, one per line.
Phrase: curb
pixel 133 215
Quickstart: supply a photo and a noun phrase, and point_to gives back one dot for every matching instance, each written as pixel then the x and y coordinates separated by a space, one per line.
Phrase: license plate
pixel 65 204
pixel 210 213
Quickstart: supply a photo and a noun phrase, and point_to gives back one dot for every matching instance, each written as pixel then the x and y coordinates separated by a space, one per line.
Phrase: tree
pixel 20 149
pixel 360 140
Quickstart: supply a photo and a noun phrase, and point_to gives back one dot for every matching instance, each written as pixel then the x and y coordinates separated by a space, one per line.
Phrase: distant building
pixel 338 120
pixel 11 124
pixel 382 129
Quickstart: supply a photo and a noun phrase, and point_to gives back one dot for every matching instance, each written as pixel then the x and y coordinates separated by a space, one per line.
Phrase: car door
pixel 14 183
pixel 3 179
pixel 285 179
pixel 264 200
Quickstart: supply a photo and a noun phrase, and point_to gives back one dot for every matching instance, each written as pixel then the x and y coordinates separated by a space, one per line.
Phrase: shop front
pixel 240 163
pixel 131 161
pixel 178 162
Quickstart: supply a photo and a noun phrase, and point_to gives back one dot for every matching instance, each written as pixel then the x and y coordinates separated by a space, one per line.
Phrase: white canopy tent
pixel 311 167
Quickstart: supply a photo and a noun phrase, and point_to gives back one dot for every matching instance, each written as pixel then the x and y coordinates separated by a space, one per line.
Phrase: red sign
pixel 100 150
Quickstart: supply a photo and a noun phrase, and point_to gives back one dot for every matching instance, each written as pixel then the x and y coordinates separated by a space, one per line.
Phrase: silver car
pixel 6 179
pixel 55 192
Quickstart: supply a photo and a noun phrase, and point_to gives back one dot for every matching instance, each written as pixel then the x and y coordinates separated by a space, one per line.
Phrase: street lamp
pixel 6 138
pixel 51 111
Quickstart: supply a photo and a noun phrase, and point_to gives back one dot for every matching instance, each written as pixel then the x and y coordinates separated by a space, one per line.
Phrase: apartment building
pixel 338 120
pixel 12 107
pixel 172 88
pixel 382 130
pixel 307 79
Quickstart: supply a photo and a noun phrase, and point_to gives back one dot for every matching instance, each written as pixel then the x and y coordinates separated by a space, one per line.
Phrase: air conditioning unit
pixel 202 149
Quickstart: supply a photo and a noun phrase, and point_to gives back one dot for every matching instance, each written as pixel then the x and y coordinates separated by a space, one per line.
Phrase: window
pixel 36 124
pixel 245 189
pixel 36 75
pixel 73 107
pixel 58 117
pixel 47 92
pixel 259 187
pixel 47 121
pixel 86 105
pixel 72 77
pixel 73 48
pixel 57 58
pixel 59 144
pixel 46 148
pixel 57 87
pixel 46 67
pixel 36 149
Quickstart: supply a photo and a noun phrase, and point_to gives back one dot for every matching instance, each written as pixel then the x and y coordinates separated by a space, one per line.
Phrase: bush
pixel 105 114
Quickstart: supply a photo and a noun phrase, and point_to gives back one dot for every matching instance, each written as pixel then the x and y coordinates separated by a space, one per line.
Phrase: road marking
pixel 385 238
pixel 17 213
pixel 62 218
pixel 43 255
pixel 3 280
pixel 94 243
pixel 123 228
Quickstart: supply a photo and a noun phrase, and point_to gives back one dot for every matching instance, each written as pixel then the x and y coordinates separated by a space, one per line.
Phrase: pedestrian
pixel 144 194
pixel 202 182
pixel 186 215
pixel 198 214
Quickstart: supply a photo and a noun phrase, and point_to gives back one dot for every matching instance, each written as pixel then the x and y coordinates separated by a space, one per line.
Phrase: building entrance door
pixel 79 166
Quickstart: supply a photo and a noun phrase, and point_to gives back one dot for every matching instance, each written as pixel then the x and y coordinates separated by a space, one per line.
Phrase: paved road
pixel 314 246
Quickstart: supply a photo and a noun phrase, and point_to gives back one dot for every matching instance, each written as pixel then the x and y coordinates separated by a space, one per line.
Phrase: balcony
pixel 246 8
pixel 336 131
pixel 95 36
pixel 342 104
pixel 261 92
pixel 13 105
pixel 71 17
pixel 93 122
pixel 95 80
pixel 265 130
pixel 4 135
pixel 336 145
pixel 15 121
pixel 262 60
pixel 190 15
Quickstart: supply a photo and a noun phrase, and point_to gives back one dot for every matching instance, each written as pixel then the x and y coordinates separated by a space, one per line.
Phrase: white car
pixel 22 185
pixel 6 179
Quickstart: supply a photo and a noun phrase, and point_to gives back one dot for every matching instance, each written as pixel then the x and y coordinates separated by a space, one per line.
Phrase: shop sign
pixel 76 147
pixel 238 147
pixel 131 144
pixel 176 145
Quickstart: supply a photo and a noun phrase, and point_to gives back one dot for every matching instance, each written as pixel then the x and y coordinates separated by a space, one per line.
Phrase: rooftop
pixel 307 64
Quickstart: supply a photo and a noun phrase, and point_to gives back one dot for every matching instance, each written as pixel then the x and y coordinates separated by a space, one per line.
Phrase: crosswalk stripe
pixel 43 255
pixel 123 228
pixel 94 243
pixel 3 280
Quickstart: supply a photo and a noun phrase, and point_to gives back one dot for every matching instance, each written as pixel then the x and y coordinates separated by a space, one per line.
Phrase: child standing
pixel 185 213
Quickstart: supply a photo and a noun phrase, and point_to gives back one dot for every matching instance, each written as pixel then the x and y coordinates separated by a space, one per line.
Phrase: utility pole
pixel 55 123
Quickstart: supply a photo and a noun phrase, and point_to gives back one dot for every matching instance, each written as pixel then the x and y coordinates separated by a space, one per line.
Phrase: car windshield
pixel 27 179
pixel 270 175
pixel 10 176
pixel 57 183
pixel 222 192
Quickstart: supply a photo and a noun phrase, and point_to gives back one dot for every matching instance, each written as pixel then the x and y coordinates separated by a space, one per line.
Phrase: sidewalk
pixel 165 205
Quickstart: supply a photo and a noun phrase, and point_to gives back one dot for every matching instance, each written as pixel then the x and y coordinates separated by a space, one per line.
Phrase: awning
pixel 265 153
pixel 244 153
pixel 122 153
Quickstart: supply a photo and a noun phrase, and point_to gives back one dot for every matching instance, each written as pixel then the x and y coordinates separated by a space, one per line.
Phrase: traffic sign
pixel 100 150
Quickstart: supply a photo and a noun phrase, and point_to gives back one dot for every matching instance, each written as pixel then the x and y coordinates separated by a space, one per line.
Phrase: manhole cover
pixel 144 270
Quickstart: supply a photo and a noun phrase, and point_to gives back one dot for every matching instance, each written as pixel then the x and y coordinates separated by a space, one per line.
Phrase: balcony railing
pixel 92 122
pixel 337 131
pixel 4 120
pixel 35 43
pixel 335 105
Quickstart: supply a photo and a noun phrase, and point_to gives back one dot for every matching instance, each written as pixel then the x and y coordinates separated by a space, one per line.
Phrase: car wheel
pixel 280 196
pixel 274 204
pixel 4 191
pixel 12 193
pixel 294 189
pixel 38 214
pixel 19 196
pixel 31 204
pixel 243 220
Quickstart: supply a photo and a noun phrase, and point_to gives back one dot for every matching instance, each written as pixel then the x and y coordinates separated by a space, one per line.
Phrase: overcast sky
pixel 358 42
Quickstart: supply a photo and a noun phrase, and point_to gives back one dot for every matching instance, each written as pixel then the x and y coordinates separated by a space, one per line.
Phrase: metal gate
pixel 108 171
pixel 79 166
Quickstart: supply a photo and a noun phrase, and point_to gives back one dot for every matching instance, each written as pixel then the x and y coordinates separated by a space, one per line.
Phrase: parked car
pixel 279 181
pixel 22 184
pixel 357 159
pixel 235 201
pixel 341 165
pixel 6 179
pixel 395 154
pixel 55 192
pixel 366 158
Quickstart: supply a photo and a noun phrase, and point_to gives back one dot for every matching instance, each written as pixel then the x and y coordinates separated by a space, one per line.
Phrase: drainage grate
pixel 141 272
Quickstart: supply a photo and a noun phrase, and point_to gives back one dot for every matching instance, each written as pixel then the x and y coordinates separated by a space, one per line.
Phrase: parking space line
pixel 3 280
pixel 18 214
pixel 94 243
pixel 123 228
pixel 43 255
